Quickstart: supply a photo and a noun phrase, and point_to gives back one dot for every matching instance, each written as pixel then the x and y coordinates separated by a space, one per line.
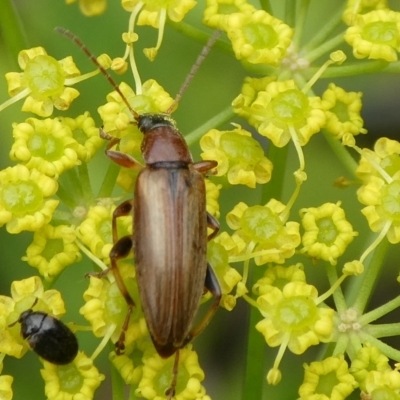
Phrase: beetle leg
pixel 212 285
pixel 121 249
pixel 213 224
pixel 204 166
pixel 170 392
pixel 120 158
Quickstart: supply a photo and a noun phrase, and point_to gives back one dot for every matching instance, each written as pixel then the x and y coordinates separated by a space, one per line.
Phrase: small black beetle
pixel 48 337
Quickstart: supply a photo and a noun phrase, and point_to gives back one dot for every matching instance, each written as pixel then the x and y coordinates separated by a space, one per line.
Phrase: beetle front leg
pixel 120 158
pixel 212 285
pixel 213 224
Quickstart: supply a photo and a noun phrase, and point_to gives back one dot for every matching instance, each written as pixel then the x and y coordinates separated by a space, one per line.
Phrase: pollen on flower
pixel 44 79
pixel 25 199
pixel 328 379
pixel 46 145
pixel 239 156
pixel 78 379
pixel 375 35
pixel 327 232
pixel 342 111
pixel 52 249
pixel 258 37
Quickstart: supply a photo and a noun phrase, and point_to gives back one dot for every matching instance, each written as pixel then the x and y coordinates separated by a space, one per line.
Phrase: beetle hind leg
pixel 170 392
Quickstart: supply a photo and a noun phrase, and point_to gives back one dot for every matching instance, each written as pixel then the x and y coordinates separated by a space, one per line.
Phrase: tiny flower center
pixel 327 231
pixel 46 146
pixel 45 76
pixel 391 200
pixel 162 379
pixel 52 247
pixel 260 36
pixel 115 307
pixel 104 230
pixel 382 32
pixel 290 106
pixel 341 111
pixel 70 379
pixel 79 135
pixel 241 148
pixel 261 224
pixel 296 313
pixel 326 383
pixel 21 197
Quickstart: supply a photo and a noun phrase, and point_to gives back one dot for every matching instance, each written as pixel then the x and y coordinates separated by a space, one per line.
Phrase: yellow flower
pixel 86 134
pixel 43 81
pixel 327 232
pixel 90 7
pixel 6 392
pixel 217 12
pixel 355 7
pixel 157 376
pixel 386 155
pixel 375 35
pixel 46 145
pixel 342 111
pixel 279 107
pixel 292 317
pixel 52 249
pixel 262 234
pixel 25 202
pixel 329 379
pixel 95 231
pixel 258 37
pixel 115 114
pixel 77 380
pixel 238 155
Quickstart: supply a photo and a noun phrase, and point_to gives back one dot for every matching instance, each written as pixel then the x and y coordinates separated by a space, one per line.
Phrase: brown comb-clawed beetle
pixel 170 232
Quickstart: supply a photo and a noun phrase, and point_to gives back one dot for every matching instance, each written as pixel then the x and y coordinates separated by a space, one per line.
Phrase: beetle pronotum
pixel 170 230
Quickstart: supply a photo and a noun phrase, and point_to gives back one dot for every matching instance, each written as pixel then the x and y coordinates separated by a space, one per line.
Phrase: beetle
pixel 48 337
pixel 169 230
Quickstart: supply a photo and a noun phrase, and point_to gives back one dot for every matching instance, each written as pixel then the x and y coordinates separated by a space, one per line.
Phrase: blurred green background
pixel 221 347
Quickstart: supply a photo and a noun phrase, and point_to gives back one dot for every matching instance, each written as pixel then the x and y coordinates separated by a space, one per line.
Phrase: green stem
pixel 117 384
pixel 332 23
pixel 266 6
pixel 300 22
pixel 360 288
pixel 341 344
pixel 218 120
pixel 359 68
pixel 380 311
pixel 12 32
pixel 75 185
pixel 85 183
pixel 338 296
pixel 383 330
pixel 109 180
pixel 324 48
pixel 342 154
pixel 65 196
pixel 387 350
pixel 290 12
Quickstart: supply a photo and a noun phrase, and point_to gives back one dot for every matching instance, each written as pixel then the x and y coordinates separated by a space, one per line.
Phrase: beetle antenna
pixel 204 52
pixel 85 49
